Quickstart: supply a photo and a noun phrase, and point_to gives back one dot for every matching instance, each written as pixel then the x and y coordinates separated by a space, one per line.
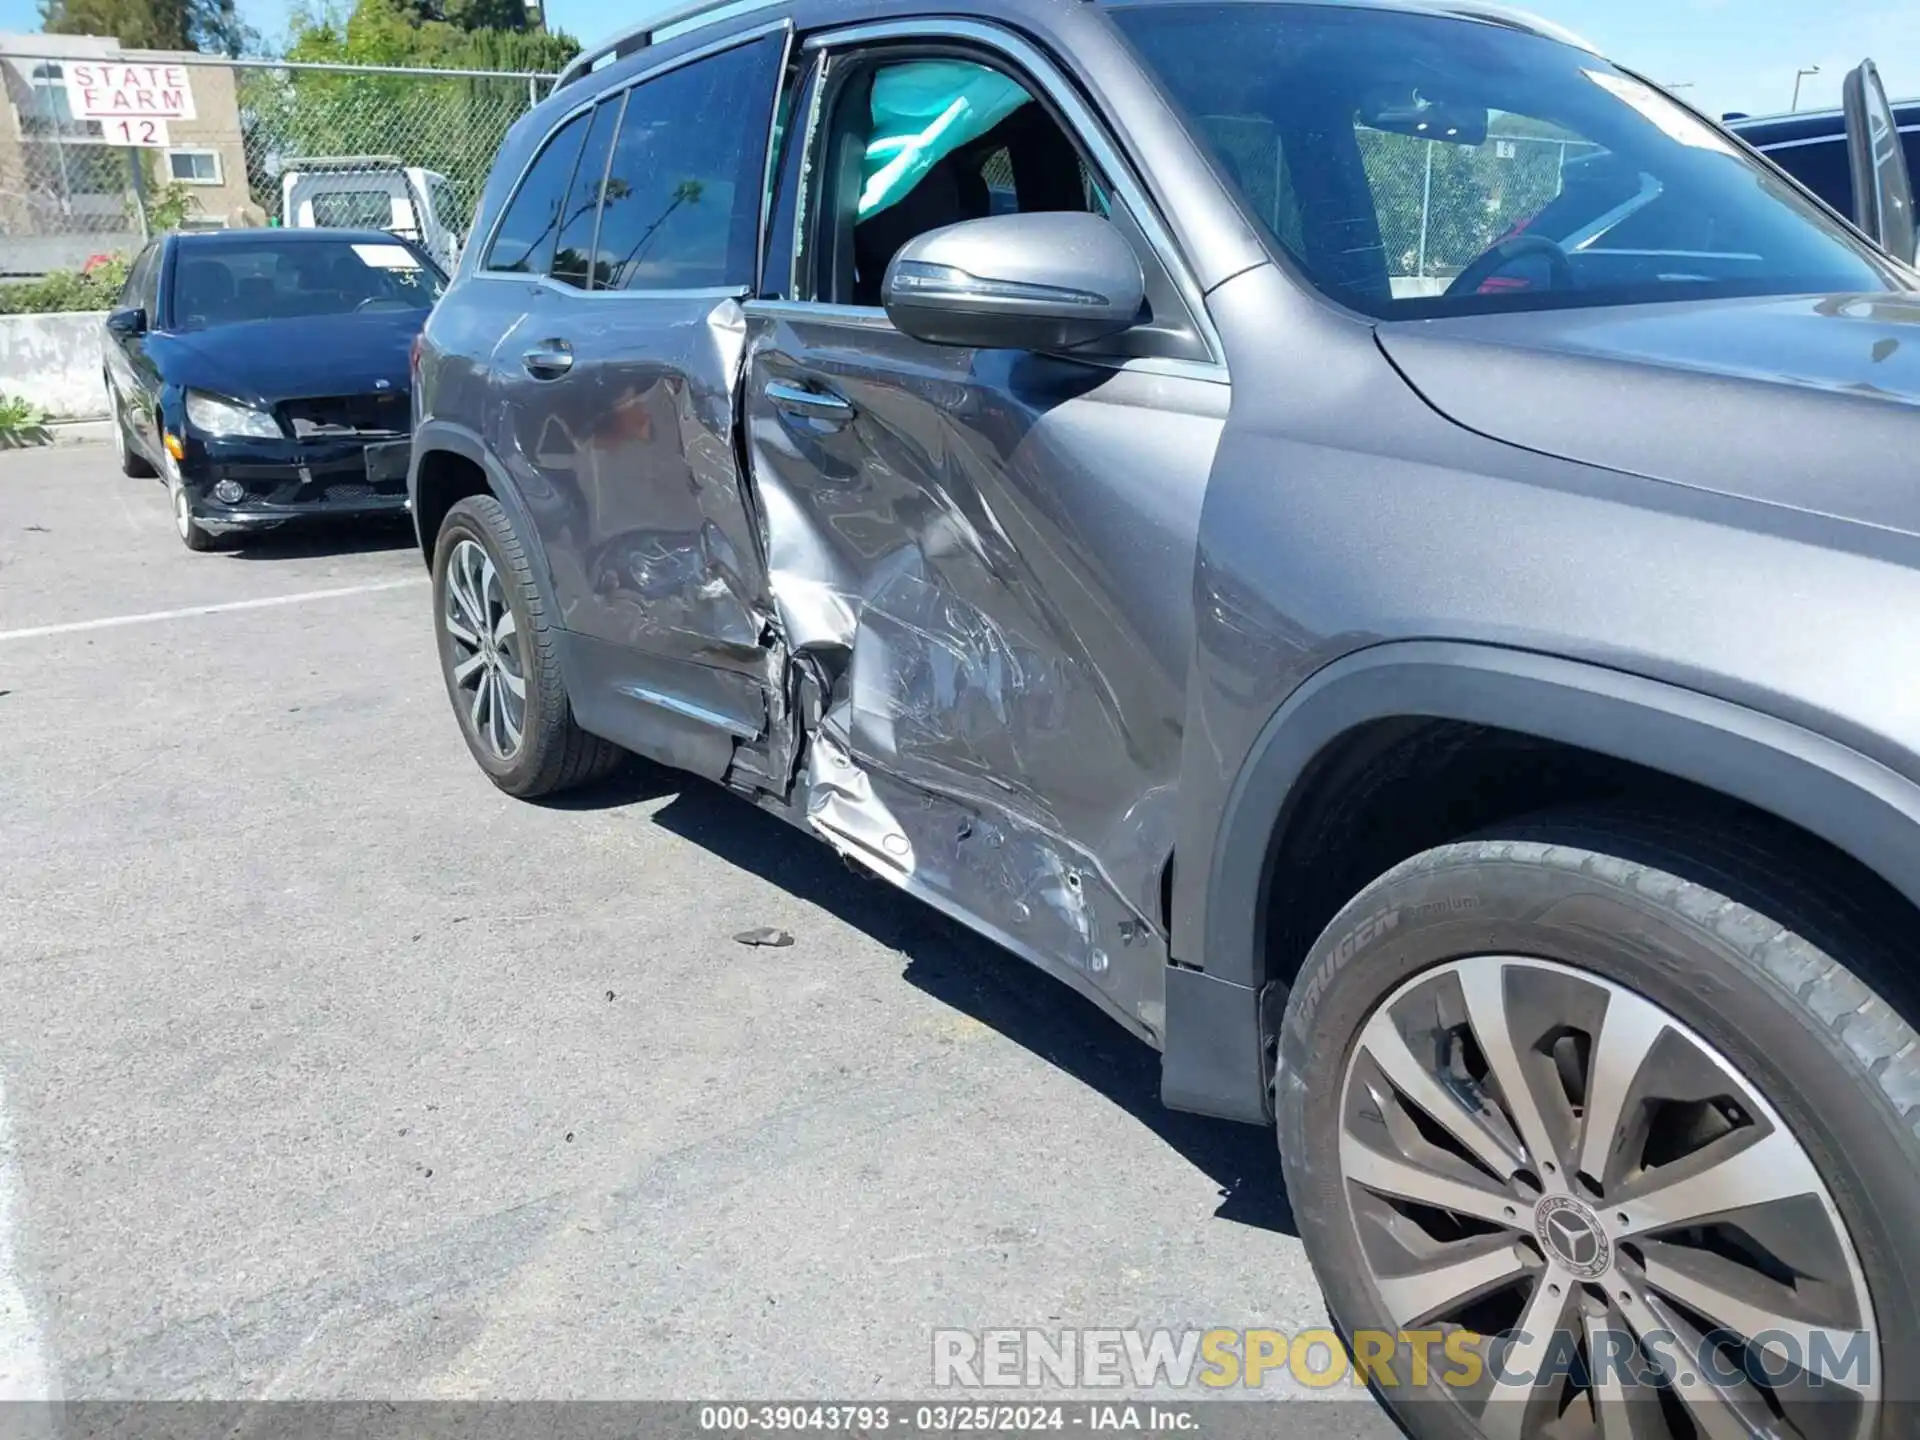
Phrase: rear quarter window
pixel 525 238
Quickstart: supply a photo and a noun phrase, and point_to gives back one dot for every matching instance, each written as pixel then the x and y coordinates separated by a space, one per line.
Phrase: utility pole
pixel 1798 76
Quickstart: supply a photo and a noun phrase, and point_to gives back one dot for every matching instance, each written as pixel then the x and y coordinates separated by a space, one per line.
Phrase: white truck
pixel 374 192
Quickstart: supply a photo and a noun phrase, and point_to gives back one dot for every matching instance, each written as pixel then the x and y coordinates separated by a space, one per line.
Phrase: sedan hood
pixel 263 362
pixel 1811 402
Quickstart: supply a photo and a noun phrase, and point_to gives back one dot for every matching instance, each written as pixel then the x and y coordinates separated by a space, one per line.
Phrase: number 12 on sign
pixel 144 133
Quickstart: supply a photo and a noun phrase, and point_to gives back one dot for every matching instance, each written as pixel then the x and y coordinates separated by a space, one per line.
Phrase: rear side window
pixel 683 191
pixel 582 211
pixel 526 236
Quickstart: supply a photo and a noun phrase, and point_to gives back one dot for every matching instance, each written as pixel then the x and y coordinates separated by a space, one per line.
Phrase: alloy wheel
pixel 485 656
pixel 182 512
pixel 1627 1231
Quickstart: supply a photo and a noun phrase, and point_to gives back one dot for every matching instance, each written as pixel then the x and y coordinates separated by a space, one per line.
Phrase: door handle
pixel 812 404
pixel 548 360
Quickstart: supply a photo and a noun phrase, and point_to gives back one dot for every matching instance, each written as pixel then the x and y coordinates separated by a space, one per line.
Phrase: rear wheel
pixel 132 463
pixel 500 660
pixel 1600 1104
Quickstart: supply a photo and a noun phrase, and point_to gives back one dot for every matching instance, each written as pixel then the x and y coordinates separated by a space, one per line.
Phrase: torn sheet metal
pixel 985 560
pixel 1031 892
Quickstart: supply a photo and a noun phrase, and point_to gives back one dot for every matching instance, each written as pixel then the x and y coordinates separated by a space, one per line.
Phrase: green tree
pixel 212 26
pixel 449 124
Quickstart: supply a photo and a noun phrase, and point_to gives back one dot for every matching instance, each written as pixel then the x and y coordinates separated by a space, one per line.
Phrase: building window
pixel 47 112
pixel 194 167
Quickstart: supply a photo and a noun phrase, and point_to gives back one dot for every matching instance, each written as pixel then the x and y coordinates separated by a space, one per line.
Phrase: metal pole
pixel 1426 206
pixel 1798 76
pixel 138 172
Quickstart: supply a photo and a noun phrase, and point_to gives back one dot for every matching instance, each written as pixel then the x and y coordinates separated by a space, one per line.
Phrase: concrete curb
pixel 79 432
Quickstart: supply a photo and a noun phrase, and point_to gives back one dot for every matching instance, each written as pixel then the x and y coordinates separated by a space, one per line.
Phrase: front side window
pixel 938 141
pixel 1419 165
pixel 137 287
pixel 684 188
pixel 524 242
pixel 270 279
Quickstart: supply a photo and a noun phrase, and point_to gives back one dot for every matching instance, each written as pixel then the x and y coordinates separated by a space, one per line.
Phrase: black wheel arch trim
pixel 1848 799
pixel 443 436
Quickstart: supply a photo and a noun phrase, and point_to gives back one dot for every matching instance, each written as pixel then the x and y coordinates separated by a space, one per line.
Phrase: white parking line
pixel 23 1360
pixel 35 632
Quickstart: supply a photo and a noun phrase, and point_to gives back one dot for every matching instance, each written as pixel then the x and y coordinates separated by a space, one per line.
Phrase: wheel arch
pixel 1707 747
pixel 449 463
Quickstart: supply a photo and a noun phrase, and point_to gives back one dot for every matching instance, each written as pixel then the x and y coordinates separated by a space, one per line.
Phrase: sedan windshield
pixel 1420 165
pixel 280 279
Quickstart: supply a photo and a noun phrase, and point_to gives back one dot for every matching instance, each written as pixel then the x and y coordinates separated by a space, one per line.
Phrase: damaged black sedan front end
pixel 264 375
pixel 351 464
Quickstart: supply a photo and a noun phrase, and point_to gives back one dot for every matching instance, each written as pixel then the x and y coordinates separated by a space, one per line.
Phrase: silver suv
pixel 1365 539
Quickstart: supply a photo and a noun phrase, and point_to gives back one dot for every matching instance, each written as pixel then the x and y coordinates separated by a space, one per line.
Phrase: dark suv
pixel 1367 540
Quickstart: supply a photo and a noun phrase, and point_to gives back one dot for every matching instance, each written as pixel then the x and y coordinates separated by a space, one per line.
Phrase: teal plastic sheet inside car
pixel 923 111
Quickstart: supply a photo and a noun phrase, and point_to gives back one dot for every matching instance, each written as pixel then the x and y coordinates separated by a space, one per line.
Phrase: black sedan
pixel 264 374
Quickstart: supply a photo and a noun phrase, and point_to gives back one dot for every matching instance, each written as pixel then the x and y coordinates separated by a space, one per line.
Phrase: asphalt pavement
pixel 327 1071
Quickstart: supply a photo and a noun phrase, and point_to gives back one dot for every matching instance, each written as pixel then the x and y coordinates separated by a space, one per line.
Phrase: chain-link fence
pixel 266 143
pixel 1441 205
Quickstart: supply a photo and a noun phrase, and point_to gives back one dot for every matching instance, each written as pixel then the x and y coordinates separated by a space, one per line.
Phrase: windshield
pixel 289 280
pixel 1421 165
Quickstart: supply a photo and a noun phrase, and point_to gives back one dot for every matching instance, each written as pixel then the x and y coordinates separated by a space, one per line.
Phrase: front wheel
pixel 1615 1116
pixel 499 657
pixel 189 530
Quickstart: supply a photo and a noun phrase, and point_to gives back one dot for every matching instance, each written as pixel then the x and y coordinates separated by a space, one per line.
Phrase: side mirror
pixel 1016 282
pixel 127 323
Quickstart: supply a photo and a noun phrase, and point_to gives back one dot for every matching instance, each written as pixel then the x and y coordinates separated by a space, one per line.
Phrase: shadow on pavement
pixel 971 975
pixel 317 539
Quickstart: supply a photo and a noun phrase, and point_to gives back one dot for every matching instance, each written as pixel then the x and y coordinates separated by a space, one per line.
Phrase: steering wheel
pixel 1515 247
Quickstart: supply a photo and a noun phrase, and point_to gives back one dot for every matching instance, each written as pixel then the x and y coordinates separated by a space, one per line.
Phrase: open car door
pixel 1882 189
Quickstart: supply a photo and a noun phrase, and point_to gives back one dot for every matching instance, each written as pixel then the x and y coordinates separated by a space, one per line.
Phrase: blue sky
pixel 1735 54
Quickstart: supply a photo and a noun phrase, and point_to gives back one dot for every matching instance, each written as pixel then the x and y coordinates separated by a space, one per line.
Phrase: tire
pixel 184 525
pixel 132 463
pixel 1744 942
pixel 550 752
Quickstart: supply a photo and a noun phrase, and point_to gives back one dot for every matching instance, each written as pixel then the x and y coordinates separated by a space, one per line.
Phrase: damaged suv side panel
pixel 982 559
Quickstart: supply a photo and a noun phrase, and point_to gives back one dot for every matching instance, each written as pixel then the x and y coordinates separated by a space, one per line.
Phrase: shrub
pixel 95 288
pixel 21 423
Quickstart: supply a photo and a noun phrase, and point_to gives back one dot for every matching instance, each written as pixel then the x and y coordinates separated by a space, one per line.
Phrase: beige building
pixel 67 192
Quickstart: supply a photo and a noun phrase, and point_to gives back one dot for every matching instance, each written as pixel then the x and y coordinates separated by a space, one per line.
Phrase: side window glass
pixel 683 192
pixel 136 287
pixel 582 211
pixel 945 141
pixel 149 291
pixel 526 236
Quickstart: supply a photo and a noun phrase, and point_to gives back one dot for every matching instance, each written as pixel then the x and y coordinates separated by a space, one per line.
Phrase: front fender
pixel 1852 801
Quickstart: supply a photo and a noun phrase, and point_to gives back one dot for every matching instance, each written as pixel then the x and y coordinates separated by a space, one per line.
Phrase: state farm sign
pixel 109 90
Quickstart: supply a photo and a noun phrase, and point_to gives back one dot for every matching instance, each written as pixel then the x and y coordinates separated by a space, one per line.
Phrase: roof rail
pixel 677 16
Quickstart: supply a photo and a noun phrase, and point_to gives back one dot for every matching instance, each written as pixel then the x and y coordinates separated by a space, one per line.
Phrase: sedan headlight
pixel 211 415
